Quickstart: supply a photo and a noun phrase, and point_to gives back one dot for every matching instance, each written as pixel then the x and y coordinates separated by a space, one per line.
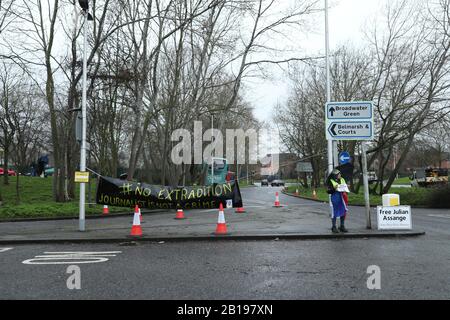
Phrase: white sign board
pixel 304 167
pixel 394 218
pixel 361 130
pixel 349 110
pixel 349 120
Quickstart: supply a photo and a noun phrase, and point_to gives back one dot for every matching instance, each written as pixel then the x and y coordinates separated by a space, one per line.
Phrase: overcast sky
pixel 347 18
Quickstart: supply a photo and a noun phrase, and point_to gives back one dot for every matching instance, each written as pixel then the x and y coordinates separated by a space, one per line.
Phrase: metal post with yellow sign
pixel 82 177
pixel 84 124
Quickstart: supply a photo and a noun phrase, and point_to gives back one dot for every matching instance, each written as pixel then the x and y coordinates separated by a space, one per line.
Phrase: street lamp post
pixel 328 86
pixel 327 54
pixel 82 215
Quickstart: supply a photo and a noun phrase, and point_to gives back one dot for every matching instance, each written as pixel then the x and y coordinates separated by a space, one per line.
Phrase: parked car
pixel 49 171
pixel 11 172
pixel 277 183
pixel 123 176
pixel 371 176
pixel 264 182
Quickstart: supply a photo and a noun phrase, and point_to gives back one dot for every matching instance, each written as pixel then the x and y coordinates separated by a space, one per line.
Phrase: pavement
pixel 297 219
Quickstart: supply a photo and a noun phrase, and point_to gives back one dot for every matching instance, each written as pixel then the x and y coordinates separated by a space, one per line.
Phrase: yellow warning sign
pixel 81 176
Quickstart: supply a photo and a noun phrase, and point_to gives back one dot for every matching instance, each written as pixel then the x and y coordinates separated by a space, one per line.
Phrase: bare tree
pixel 301 120
pixel 6 7
pixel 411 83
pixel 38 20
pixel 406 75
pixel 9 103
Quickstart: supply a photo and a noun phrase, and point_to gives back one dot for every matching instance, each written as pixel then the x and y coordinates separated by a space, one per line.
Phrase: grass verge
pixel 36 200
pixel 402 181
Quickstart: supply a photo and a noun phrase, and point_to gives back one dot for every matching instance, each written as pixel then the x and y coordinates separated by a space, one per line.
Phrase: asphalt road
pixel 435 222
pixel 411 268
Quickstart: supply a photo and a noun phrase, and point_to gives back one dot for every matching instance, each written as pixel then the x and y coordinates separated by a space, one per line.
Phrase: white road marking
pixel 85 252
pixel 446 216
pixel 256 201
pixel 4 249
pixel 215 210
pixel 253 206
pixel 75 257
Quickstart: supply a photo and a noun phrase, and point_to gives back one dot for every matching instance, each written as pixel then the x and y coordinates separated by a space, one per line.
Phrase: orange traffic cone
pixel 277 201
pixel 221 225
pixel 105 209
pixel 314 194
pixel 136 230
pixel 180 215
pixel 240 210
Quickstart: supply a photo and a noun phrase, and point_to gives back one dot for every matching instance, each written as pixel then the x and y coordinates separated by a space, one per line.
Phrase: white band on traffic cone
pixel 136 220
pixel 221 217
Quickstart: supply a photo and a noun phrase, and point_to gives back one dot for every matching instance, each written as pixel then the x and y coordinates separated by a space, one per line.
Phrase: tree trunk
pixel 399 164
pixel 5 166
pixel 17 189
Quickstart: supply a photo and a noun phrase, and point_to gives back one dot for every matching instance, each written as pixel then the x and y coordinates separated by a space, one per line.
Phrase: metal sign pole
pixel 366 184
pixel 335 153
pixel 212 156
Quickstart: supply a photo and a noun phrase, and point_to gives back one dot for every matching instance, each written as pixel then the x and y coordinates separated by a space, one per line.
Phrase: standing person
pixel 336 186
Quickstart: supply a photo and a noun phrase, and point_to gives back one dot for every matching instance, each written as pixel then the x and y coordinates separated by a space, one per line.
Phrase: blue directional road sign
pixel 344 157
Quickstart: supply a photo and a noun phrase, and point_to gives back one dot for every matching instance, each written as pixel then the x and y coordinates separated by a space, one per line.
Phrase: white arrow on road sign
pixel 356 130
pixel 344 158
